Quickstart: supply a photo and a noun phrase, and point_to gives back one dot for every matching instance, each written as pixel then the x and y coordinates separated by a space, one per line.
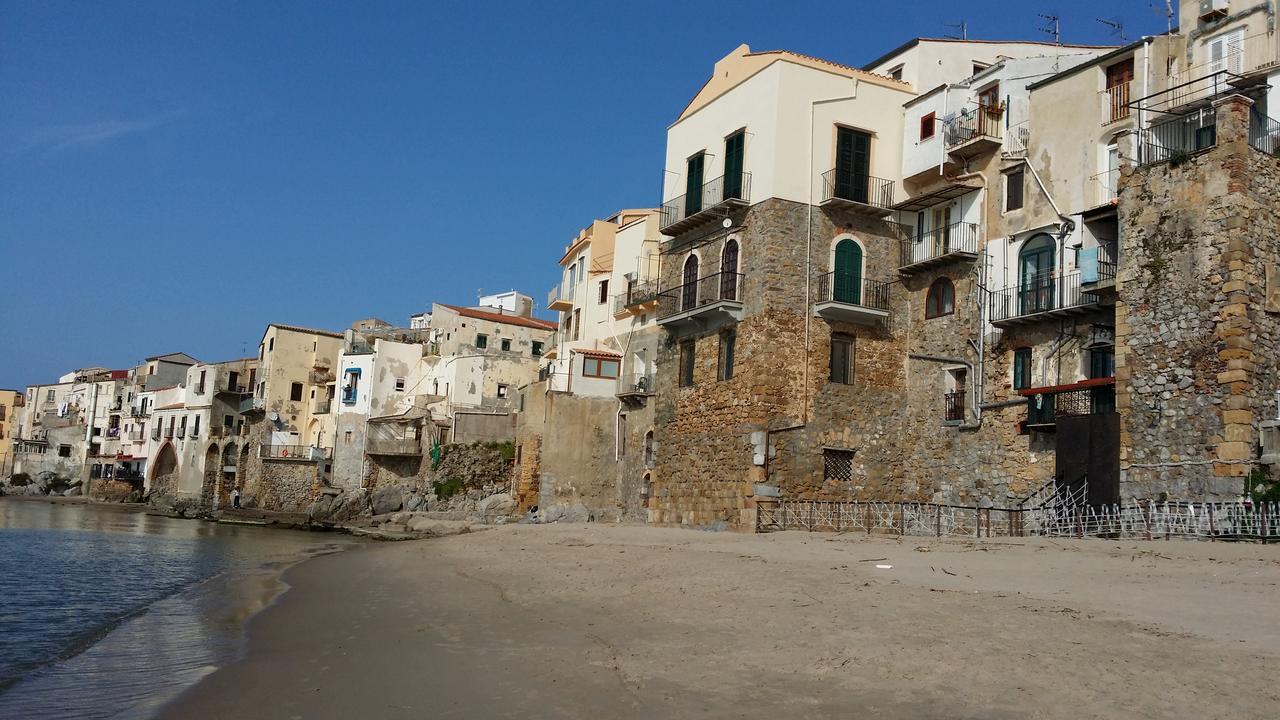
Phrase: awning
pixel 600 354
pixel 417 412
pixel 947 192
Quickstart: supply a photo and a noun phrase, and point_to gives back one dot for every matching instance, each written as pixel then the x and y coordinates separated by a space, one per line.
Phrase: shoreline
pixel 633 621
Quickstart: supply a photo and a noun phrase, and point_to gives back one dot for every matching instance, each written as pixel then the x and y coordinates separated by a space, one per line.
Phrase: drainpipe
pixel 808 259
pixel 1146 77
pixel 942 144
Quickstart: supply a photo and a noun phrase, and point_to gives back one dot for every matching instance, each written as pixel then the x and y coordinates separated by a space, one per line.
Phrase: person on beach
pixel 235 497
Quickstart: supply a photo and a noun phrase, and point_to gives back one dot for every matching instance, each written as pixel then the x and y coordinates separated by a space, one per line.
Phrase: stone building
pixel 585 433
pixel 72 426
pixel 12 403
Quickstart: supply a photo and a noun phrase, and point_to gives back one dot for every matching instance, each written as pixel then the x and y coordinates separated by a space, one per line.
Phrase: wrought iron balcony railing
pixel 717 287
pixel 974 124
pixel 1117 101
pixel 954 406
pixel 1098 397
pixel 293 452
pixel 726 188
pixel 856 187
pixel 1039 294
pixel 961 237
pixel 1178 137
pixel 851 289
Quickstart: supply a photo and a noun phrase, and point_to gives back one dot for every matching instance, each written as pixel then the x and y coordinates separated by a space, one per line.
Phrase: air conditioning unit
pixel 1212 9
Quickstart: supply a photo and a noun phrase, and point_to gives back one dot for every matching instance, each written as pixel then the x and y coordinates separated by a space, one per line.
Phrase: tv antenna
pixel 961 27
pixel 1168 14
pixel 1053 26
pixel 1117 28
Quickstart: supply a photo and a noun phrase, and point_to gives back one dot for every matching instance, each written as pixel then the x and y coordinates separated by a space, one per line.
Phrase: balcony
pixel 1017 140
pixel 561 297
pixel 1241 64
pixel 1264 134
pixel 1116 101
pixel 857 192
pixel 298 453
pixel 393 446
pixel 137 436
pixel 1097 268
pixel 714 298
pixel 182 433
pixel 1088 397
pixel 252 404
pixel 846 297
pixel 155 434
pixel 1040 298
pixel 138 412
pixel 634 390
pixel 320 406
pixel 639 298
pixel 956 242
pixel 711 203
pixel 1178 137
pixel 1104 188
pixel 975 131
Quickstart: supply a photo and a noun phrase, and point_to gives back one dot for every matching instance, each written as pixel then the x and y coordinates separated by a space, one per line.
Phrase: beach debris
pixel 948 572
pixel 873 560
pixel 922 548
pixel 885 567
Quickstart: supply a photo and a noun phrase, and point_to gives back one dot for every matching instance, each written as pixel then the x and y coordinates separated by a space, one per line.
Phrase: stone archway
pixel 164 472
pixel 209 485
pixel 227 478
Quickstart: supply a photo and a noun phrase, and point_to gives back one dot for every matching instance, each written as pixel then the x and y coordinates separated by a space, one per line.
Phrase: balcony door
pixel 1036 275
pixel 729 271
pixel 941 230
pixel 689 290
pixel 853 164
pixel 733 149
pixel 847 283
pixel 693 184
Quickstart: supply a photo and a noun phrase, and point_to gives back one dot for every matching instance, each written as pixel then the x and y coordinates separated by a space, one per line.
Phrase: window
pixel 979 67
pixel 842 348
pixel 602 293
pixel 725 366
pixel 200 385
pixel 694 166
pixel 648 449
pixel 927 125
pixel 1022 368
pixel 837 465
pixel 49 396
pixel 2 409
pixel 295 392
pixel 599 367
pixel 896 72
pixel 228 421
pixel 941 299
pixel 577 323
pixel 346 437
pixel 734 147
pixel 502 390
pixel 64 451
pixel 505 344
pixel 195 427
pixel 1013 182
pixel 1102 362
pixel 399 384
pixel 537 348
pixel 686 363
pixel 482 341
pixel 271 344
pixel 351 388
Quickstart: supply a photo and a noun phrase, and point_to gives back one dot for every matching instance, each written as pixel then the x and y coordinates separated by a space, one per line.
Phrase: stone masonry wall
pixel 1197 352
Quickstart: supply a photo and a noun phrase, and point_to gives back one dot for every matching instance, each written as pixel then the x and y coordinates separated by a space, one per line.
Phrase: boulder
pixel 414 502
pixel 495 506
pixel 71 491
pixel 575 513
pixel 387 500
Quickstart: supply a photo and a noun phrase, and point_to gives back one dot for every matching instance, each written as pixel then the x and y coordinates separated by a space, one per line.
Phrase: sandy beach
pixel 594 621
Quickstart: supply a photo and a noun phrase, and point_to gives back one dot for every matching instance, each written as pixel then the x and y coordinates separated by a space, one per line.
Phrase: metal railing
pixel 182 433
pixel 851 289
pixel 1116 99
pixel 973 124
pixel 1203 80
pixel 292 452
pixel 954 406
pixel 639 383
pixel 136 436
pixel 320 406
pixel 961 237
pixel 168 433
pixel 1178 137
pixel 636 294
pixel 1039 294
pixel 1264 133
pixel 562 292
pixel 1045 408
pixel 854 186
pixel 1106 186
pixel 735 186
pixel 155 434
pixel 1019 137
pixel 717 287
pixel 393 446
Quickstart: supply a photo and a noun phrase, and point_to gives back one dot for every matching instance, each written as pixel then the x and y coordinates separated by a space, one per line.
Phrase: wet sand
pixel 635 622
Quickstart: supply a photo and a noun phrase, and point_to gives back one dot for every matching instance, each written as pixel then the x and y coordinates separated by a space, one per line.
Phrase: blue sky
pixel 175 175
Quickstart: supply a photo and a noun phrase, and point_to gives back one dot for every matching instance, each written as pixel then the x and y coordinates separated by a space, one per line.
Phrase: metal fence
pixel 716 287
pixel 1264 133
pixel 961 237
pixel 734 186
pixel 1042 293
pixel 1178 137
pixel 973 124
pixel 292 452
pixel 857 186
pixel 849 288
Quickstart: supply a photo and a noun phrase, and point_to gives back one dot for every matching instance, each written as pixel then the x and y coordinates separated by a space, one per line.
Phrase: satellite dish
pixel 726 223
pixel 274 416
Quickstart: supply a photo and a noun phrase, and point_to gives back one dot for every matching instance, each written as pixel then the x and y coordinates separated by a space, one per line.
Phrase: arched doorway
pixel 227 478
pixel 164 472
pixel 848 272
pixel 209 484
pixel 689 291
pixel 729 271
pixel 1036 275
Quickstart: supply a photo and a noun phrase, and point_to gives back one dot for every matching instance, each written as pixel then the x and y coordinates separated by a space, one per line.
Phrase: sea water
pixel 109 614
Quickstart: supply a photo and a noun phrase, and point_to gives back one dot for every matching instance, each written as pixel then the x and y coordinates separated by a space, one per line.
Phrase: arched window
pixel 729 271
pixel 1022 368
pixel 689 291
pixel 648 449
pixel 941 299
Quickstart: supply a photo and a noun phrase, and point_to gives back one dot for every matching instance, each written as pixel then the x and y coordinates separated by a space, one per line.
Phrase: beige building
pixel 12 403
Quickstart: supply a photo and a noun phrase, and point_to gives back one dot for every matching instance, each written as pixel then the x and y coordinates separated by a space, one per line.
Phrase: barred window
pixel 837 465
